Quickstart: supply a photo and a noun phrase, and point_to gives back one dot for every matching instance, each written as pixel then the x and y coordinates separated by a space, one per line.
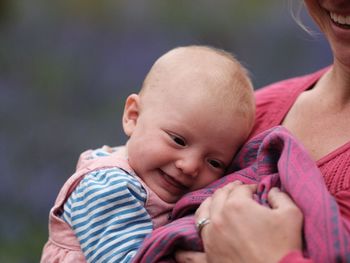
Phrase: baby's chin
pixel 167 196
pixel 163 195
pixel 163 188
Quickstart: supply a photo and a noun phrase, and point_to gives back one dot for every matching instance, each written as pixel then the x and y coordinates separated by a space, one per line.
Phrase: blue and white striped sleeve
pixel 107 214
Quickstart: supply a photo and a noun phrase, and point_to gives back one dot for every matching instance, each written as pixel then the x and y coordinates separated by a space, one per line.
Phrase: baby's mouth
pixel 171 180
pixel 340 20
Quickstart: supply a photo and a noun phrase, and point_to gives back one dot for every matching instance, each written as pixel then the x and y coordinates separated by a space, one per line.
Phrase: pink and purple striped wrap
pixel 272 158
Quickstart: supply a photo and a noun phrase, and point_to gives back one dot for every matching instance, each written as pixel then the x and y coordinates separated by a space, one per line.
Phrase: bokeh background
pixel 66 67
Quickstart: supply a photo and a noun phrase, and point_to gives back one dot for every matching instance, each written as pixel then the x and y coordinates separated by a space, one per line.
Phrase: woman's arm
pixel 241 230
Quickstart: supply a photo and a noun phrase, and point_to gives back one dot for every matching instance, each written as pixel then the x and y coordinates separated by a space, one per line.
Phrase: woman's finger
pixel 279 200
pixel 203 209
pixel 221 196
pixel 202 215
pixel 282 204
pixel 245 191
pixel 183 256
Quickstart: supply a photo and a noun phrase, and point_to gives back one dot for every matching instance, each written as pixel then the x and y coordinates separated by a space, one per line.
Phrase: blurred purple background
pixel 67 66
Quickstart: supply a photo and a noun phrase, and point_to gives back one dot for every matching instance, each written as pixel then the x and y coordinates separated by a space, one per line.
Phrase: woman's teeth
pixel 340 19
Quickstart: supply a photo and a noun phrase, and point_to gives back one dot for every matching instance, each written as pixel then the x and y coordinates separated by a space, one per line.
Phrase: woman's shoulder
pixel 274 100
pixel 289 86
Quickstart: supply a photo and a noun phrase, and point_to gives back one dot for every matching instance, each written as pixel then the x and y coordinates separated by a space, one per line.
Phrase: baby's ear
pixel 131 113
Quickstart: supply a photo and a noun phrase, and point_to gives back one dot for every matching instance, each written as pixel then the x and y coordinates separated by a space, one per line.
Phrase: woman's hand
pixel 183 256
pixel 241 230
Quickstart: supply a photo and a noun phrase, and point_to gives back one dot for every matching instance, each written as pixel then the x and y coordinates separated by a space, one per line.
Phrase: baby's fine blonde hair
pixel 224 78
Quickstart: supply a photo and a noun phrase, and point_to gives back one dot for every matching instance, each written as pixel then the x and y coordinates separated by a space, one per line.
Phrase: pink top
pixel 63 246
pixel 273 104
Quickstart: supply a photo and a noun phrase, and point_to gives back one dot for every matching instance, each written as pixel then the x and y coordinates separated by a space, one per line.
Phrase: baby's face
pixel 180 144
pixel 182 135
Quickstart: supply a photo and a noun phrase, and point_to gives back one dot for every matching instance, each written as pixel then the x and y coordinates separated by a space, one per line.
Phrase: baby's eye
pixel 177 139
pixel 216 164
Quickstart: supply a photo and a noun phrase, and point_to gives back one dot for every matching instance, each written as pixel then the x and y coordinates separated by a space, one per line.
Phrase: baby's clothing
pixel 103 210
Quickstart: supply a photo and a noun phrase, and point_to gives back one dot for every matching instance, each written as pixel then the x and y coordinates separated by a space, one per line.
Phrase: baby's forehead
pixel 194 71
pixel 191 65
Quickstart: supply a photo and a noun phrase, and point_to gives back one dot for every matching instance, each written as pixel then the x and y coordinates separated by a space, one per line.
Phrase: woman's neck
pixel 334 87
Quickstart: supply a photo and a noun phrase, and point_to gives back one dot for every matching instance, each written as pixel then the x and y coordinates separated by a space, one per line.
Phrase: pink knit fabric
pixel 273 103
pixel 335 168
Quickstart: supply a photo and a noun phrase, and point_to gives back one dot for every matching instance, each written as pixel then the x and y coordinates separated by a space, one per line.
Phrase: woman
pixel 316 109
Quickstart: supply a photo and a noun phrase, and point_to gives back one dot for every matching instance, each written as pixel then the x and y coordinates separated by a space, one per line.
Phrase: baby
pixel 194 111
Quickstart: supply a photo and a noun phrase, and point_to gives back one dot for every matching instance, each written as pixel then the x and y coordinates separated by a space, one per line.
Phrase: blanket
pixel 272 158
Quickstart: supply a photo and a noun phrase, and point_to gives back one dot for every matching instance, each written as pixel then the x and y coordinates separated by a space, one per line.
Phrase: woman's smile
pixel 342 21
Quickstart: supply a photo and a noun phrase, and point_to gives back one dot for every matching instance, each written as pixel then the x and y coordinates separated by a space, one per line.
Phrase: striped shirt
pixel 107 214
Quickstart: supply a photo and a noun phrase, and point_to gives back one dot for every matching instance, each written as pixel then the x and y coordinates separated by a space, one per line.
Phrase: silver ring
pixel 201 223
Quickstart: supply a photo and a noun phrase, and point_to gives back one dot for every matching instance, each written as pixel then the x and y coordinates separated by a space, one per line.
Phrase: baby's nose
pixel 189 166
